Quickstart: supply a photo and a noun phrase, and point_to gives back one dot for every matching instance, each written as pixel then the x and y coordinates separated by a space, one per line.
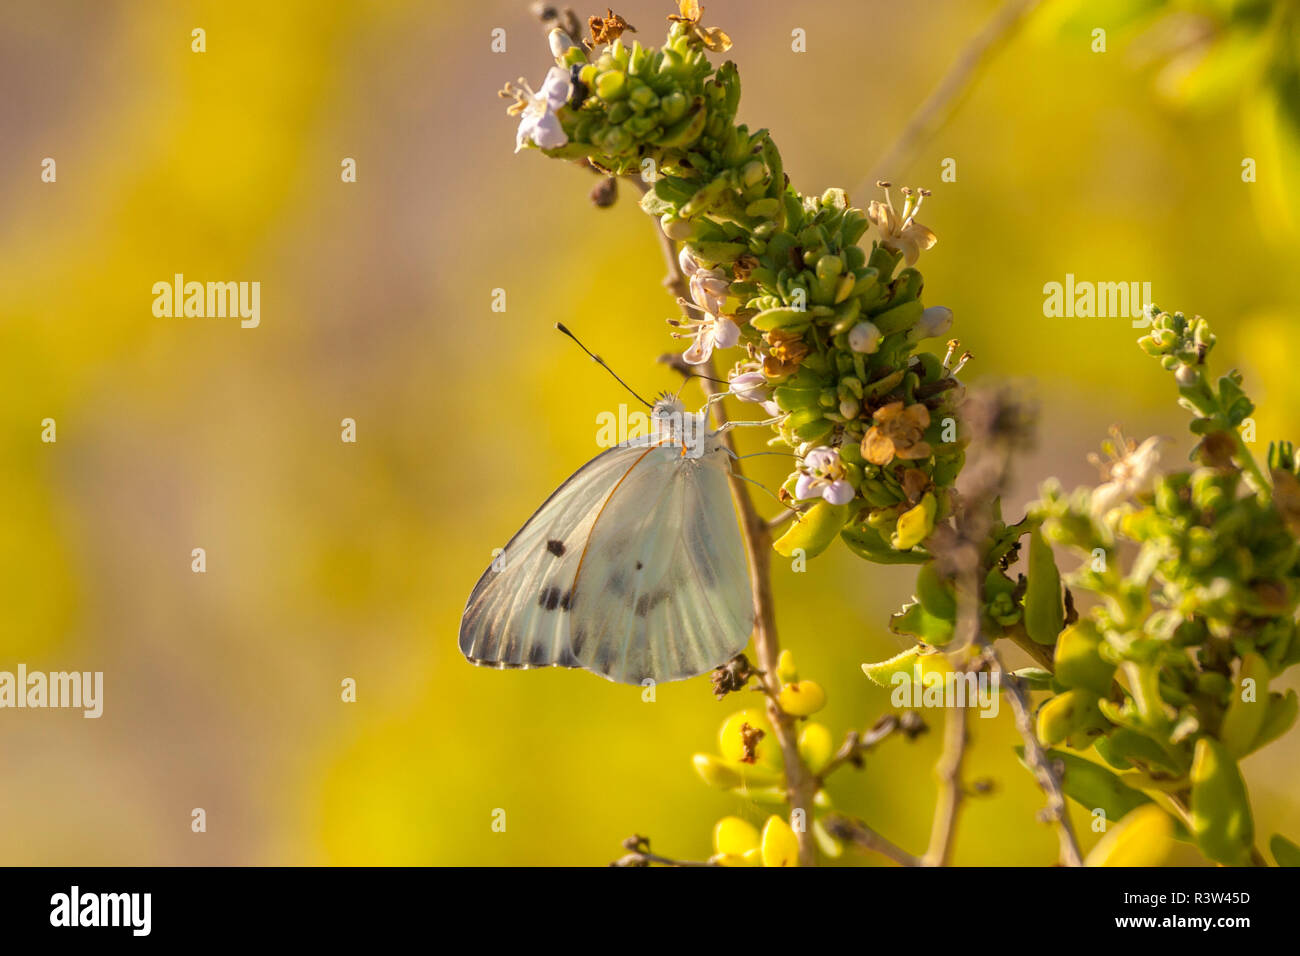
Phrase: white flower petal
pixel 548 134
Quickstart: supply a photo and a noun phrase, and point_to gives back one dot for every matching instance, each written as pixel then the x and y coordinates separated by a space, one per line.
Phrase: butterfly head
pixel 667 408
pixel 673 423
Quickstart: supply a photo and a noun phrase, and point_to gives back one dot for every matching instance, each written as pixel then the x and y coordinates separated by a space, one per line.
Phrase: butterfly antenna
pixel 687 376
pixel 601 362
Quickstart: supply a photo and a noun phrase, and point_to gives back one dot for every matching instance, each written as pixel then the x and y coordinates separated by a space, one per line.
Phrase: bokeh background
pixel 328 560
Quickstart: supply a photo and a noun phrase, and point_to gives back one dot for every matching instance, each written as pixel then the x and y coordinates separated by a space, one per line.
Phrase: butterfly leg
pixel 735 424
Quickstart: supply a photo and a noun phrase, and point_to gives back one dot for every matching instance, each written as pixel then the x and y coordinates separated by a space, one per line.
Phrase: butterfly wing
pixel 518 613
pixel 662 590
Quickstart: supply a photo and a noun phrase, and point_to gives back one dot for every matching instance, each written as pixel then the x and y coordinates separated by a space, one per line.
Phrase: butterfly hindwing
pixel 663 590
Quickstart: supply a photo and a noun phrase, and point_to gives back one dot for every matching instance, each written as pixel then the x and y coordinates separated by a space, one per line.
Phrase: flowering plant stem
pixel 801 783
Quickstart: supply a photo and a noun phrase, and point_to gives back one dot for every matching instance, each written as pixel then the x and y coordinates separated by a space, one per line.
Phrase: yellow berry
pixel 733 836
pixel 785 668
pixel 740 738
pixel 815 745
pixel 802 698
pixel 780 845
pixel 716 773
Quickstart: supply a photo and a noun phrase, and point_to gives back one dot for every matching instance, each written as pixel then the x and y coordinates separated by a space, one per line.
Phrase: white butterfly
pixel 633 568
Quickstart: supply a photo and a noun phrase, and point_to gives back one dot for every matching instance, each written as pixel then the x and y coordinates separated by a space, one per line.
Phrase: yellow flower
pixel 897 433
pixel 915 524
pixel 785 351
pixel 900 231
pixel 712 38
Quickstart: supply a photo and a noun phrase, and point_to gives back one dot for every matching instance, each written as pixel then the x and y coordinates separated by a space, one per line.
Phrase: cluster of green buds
pixel 1167 676
pixel 828 329
pixel 749 763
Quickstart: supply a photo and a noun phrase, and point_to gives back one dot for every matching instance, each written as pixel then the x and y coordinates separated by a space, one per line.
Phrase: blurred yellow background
pixel 328 560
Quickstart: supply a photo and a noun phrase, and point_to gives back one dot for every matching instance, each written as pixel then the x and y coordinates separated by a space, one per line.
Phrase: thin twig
pixel 940 105
pixel 948 803
pixel 1000 425
pixel 1048 777
pixel 639 854
pixel 860 835
pixel 800 781
pixel 856 745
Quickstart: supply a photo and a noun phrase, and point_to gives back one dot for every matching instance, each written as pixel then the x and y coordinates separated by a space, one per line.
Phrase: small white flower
pixel 561 43
pixel 709 332
pixel 751 386
pixel 822 477
pixel 864 337
pixel 900 231
pixel 709 289
pixel 934 322
pixel 687 262
pixel 1132 471
pixel 538 122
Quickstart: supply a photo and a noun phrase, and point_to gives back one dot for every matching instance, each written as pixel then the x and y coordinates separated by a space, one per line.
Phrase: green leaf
pixel 1285 852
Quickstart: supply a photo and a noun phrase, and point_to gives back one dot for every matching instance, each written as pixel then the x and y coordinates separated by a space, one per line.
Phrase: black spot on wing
pixel 537 654
pixel 648 602
pixel 566 602
pixel 549 598
pixel 639 565
pixel 604 659
pixel 555 547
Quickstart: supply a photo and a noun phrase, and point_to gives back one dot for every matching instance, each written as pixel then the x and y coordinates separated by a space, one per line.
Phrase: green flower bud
pixel 611 85
pixel 899 318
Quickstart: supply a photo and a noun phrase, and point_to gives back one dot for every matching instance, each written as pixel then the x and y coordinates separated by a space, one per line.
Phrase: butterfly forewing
pixel 518 614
